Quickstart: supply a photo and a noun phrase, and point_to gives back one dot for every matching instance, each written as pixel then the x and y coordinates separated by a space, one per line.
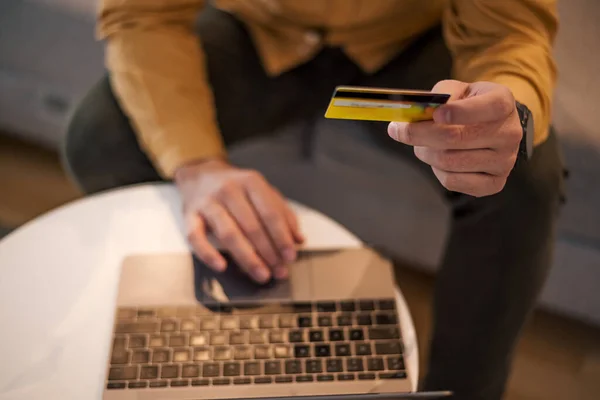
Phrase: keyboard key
pixel 149 372
pixel 168 326
pixel 210 370
pixel 181 355
pixel 263 380
pixel 123 373
pixel 137 341
pixel 180 383
pixel 325 378
pixel 287 321
pixel 159 384
pixel 221 381
pixel 229 323
pixel 242 353
pixel 208 324
pixel 158 341
pixel 345 377
pixel 218 338
pixel 342 350
pixel 375 364
pixel 296 337
pixel 115 385
pixel 395 363
pixel 388 348
pixel 324 320
pixel 305 322
pixel 222 353
pixel 336 335
pixel 190 371
pixel 257 337
pixel 368 376
pixel 248 322
pixel 316 336
pixel 281 351
pixel 119 343
pixel 232 369
pixel 199 339
pixel 348 306
pixel 137 385
pixel 362 349
pixel 366 305
pixel 357 334
pixel 344 320
pixel 178 341
pixel 386 319
pixel 272 367
pixel 302 307
pixel 262 352
pixel 169 371
pixel 136 327
pixel 284 379
pixel 384 333
pixel 201 354
pixel 387 304
pixel 326 306
pixel 266 322
pixel 334 365
pixel 314 366
pixel 276 337
pixel 304 378
pixel 242 381
pixel 364 320
pixel 322 350
pixel 188 325
pixel 126 313
pixel 200 382
pixel 160 356
pixel 140 357
pixel 166 312
pixel 293 367
pixel 238 338
pixel 354 365
pixel 301 351
pixel 119 357
pixel 392 375
pixel 252 368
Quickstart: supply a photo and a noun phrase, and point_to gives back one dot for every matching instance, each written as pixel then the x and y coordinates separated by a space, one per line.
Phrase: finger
pixel 481 160
pixel 473 184
pixel 238 205
pixel 231 237
pixel 496 104
pixel 292 221
pixel 456 89
pixel 196 234
pixel 439 136
pixel 272 214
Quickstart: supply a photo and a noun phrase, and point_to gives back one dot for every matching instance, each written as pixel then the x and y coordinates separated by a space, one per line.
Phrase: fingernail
pixel 219 264
pixel 289 254
pixel 261 274
pixel 281 273
pixel 393 131
pixel 445 116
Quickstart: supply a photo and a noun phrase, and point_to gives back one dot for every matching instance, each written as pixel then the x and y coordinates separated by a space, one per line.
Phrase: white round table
pixel 58 281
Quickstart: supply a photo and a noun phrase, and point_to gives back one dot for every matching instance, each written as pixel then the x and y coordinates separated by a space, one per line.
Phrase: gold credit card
pixel 379 104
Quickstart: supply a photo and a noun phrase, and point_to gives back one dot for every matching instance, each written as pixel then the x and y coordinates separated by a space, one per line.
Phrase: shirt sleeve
pixel 507 42
pixel 158 73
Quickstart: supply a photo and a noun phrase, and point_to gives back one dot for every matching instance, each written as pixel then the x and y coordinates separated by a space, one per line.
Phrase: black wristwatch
pixel 526 119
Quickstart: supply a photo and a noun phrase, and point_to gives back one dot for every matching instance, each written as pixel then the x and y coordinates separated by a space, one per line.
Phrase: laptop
pixel 183 331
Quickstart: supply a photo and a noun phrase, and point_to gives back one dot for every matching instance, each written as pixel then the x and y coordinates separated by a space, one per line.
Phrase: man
pixel 181 90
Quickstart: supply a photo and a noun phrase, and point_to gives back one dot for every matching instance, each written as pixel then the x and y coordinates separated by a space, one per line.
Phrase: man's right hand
pixel 248 217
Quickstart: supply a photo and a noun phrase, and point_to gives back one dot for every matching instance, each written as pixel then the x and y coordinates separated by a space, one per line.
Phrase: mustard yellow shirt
pixel 158 74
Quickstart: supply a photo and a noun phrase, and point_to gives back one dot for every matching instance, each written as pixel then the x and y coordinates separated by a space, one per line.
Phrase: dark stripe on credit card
pixel 416 98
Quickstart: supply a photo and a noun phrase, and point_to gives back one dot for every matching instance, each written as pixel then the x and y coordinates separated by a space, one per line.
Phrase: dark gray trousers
pixel 500 247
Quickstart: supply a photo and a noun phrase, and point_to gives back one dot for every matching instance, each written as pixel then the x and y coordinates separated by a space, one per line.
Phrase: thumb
pixel 456 89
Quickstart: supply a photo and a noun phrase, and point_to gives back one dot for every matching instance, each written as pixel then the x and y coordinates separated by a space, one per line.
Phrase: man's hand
pixel 473 140
pixel 247 216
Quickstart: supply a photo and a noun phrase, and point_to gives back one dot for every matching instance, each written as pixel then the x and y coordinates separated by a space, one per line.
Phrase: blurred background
pixel 49 58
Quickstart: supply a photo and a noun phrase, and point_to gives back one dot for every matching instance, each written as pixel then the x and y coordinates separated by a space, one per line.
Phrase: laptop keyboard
pixel 296 342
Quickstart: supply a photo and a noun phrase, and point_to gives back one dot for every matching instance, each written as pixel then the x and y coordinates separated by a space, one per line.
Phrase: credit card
pixel 380 104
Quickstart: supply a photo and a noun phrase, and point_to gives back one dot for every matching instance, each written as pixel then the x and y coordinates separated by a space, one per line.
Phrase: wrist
pixel 192 168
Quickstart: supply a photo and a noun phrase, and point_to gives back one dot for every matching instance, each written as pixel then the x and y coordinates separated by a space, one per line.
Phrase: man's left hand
pixel 472 142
